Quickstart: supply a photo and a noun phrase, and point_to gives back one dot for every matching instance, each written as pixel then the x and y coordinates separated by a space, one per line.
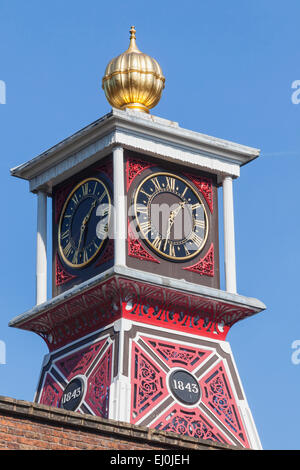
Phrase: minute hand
pixel 171 221
pixel 85 221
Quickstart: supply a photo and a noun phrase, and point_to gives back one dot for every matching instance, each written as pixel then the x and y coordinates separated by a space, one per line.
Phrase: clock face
pixel 170 216
pixel 84 222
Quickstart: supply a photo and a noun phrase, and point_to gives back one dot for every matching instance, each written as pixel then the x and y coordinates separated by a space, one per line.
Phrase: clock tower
pixel 136 326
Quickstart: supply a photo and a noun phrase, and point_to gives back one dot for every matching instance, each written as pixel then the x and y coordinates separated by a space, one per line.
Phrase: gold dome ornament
pixel 133 79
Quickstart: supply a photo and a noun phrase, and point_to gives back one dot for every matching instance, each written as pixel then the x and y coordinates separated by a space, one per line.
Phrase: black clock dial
pixel 170 216
pixel 84 222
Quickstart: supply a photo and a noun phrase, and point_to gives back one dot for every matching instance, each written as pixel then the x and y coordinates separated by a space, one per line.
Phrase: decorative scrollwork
pixel 136 249
pixel 175 355
pixel 204 267
pixel 148 384
pixel 52 392
pixel 134 167
pixel 191 424
pixel 61 275
pixel 99 385
pixel 204 185
pixel 219 398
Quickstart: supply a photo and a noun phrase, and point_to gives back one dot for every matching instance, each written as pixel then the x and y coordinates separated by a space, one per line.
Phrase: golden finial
pixel 133 79
pixel 132 46
pixel 132 32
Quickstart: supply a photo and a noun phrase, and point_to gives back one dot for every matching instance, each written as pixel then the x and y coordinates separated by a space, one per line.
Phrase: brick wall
pixel 29 426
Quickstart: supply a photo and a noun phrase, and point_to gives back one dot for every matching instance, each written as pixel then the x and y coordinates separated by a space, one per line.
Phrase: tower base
pixel 147 352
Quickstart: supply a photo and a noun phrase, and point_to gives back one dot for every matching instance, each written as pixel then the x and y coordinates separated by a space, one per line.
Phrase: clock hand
pixel 170 223
pixel 172 216
pixel 82 229
pixel 85 221
pixel 178 209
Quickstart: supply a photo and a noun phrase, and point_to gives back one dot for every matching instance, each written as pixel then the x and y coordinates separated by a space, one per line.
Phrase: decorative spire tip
pixel 132 32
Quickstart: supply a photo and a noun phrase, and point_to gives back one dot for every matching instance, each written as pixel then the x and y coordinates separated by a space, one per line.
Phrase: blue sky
pixel 229 70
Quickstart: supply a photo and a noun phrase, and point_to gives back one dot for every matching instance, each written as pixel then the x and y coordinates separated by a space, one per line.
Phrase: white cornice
pixel 153 279
pixel 139 132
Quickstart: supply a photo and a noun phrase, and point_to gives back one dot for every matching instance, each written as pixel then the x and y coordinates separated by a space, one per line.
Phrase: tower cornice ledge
pixel 194 308
pixel 135 131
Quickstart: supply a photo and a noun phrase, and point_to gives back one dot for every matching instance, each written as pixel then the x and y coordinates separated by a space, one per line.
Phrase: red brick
pixel 28 426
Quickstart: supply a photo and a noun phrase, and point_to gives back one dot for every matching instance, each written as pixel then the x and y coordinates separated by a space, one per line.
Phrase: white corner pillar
pixel 229 239
pixel 41 248
pixel 119 209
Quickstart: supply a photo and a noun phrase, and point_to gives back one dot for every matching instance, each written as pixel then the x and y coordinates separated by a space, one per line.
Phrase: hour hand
pixel 87 217
pixel 85 221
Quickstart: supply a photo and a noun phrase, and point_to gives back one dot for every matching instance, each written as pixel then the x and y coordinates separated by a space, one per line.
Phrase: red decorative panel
pixel 134 167
pixel 78 362
pixel 61 275
pixel 97 397
pixel 52 392
pixel 204 267
pixel 215 416
pixel 136 249
pixel 188 423
pixel 177 355
pixel 59 324
pixel 78 316
pixel 204 185
pixel 218 397
pixel 93 364
pixel 171 309
pixel 148 384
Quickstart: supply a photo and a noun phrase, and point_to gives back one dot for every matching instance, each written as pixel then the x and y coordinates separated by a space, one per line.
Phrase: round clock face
pixel 170 216
pixel 84 221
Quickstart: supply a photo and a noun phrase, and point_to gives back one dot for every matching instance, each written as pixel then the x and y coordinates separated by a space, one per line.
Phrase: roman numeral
pixel 196 206
pixel 199 223
pixel 156 184
pixel 171 249
pixel 186 250
pixel 95 187
pixel 75 257
pixel 75 199
pixel 101 197
pixel 144 192
pixel 67 249
pixel 196 239
pixel 102 230
pixel 85 256
pixel 157 242
pixel 146 227
pixel 184 191
pixel 85 189
pixel 170 184
pixel 65 234
pixel 142 209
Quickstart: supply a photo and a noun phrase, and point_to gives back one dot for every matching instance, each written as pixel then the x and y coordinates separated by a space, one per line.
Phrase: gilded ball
pixel 133 79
